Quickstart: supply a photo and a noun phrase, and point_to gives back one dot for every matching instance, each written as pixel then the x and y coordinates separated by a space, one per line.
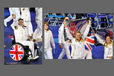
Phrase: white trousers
pixel 65 50
pixel 48 53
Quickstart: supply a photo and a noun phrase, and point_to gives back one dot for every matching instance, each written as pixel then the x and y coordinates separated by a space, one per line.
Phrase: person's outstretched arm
pixel 87 29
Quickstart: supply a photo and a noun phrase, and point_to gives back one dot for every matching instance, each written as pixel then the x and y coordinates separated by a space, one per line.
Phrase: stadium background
pixel 100 21
pixel 7 41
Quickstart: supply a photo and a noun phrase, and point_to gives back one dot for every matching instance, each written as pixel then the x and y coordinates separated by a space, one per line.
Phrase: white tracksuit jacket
pixel 39 21
pixel 66 44
pixel 48 40
pixel 78 48
pixel 25 15
pixel 108 50
pixel 21 36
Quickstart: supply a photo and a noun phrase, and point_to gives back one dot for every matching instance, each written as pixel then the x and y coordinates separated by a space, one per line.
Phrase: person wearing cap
pixel 64 39
pixel 48 40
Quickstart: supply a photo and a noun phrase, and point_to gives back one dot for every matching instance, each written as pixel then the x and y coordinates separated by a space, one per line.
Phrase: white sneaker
pixel 36 57
pixel 30 58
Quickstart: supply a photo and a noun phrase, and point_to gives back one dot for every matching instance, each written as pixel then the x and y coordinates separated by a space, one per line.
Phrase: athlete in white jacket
pixel 21 34
pixel 48 40
pixel 39 20
pixel 64 39
pixel 78 45
pixel 25 15
pixel 108 46
pixel 38 32
pixel 13 11
pixel 37 35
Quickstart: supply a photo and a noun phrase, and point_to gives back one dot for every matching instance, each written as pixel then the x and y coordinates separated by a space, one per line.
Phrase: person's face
pixel 66 21
pixel 67 18
pixel 21 22
pixel 78 36
pixel 46 27
pixel 108 39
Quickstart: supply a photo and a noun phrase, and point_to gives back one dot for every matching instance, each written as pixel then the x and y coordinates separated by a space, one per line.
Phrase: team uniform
pixel 78 47
pixel 38 31
pixel 39 19
pixel 15 11
pixel 25 15
pixel 36 35
pixel 108 48
pixel 64 37
pixel 48 39
pixel 21 35
pixel 37 38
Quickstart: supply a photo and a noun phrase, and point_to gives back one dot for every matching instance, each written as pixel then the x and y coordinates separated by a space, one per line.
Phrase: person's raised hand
pixel 14 16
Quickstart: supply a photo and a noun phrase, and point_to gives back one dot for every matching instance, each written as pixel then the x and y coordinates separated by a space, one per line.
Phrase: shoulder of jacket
pixel 73 39
pixel 106 45
pixel 50 31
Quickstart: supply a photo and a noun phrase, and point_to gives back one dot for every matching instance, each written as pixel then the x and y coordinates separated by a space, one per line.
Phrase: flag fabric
pixel 103 32
pixel 90 42
pixel 77 25
pixel 16 52
pixel 80 25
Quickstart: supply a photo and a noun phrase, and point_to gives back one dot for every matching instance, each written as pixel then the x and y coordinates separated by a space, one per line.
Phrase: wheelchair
pixel 19 52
